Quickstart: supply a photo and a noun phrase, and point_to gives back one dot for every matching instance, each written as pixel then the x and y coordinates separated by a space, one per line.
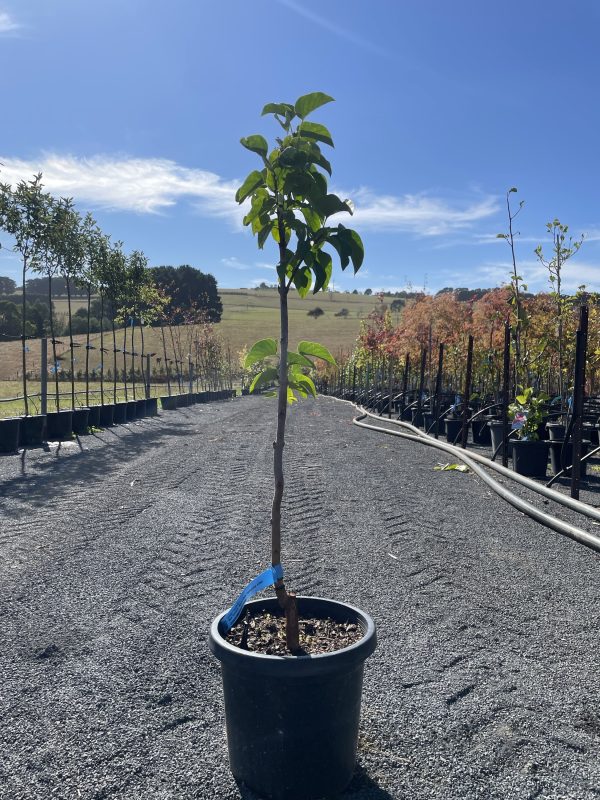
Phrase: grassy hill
pixel 248 315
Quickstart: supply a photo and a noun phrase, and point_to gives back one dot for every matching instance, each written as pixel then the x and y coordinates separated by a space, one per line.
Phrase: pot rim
pixel 297 666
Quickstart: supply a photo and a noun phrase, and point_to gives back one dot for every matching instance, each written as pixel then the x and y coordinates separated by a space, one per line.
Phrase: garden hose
pixel 566 529
pixel 474 460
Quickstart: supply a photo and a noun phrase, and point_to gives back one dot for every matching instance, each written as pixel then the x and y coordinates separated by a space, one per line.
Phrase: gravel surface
pixel 117 552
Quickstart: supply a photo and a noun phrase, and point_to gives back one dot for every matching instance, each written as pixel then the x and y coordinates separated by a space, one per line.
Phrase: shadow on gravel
pixel 47 478
pixel 362 787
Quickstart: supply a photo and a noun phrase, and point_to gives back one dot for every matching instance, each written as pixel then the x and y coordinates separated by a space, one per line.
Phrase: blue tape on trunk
pixel 262 581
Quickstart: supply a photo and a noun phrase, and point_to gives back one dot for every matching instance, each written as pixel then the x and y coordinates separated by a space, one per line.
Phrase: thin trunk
pixel 101 348
pixel 23 338
pixel 68 281
pixel 53 342
pixel 177 362
pixel 87 349
pixel 115 351
pixel 162 330
pixel 125 358
pixel 133 356
pixel 286 600
pixel 146 385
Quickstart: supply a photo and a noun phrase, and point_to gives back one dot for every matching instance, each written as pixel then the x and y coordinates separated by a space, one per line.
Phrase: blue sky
pixel 135 108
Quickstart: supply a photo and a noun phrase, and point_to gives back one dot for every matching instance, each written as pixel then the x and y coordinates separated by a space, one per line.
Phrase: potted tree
pixel 292 718
pixel 530 454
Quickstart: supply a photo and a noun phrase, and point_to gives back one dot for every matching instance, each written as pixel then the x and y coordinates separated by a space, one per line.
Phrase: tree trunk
pixel 133 356
pixel 114 336
pixel 167 372
pixel 101 348
pixel 55 364
pixel 23 338
pixel 87 349
pixel 125 358
pixel 286 600
pixel 68 281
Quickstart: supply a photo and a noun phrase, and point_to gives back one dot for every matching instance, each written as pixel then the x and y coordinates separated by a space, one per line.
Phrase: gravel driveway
pixel 117 551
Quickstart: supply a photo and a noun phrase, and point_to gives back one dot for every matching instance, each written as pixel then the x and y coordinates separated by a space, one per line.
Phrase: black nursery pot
pixel 131 410
pixel 292 722
pixel 59 426
pixel 151 406
pixel 32 430
pixel 9 434
pixel 556 446
pixel 556 430
pixel 453 428
pixel 530 458
pixel 120 413
pixel 107 415
pixel 496 427
pixel 80 421
pixel 140 409
pixel 481 432
pixel 169 402
pixel 94 416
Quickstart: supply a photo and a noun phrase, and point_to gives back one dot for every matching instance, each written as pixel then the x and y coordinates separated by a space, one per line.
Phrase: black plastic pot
pixel 80 421
pixel 556 430
pixel 120 413
pixel 530 458
pixel 245 392
pixel 591 432
pixel 292 723
pixel 107 416
pixel 151 407
pixel 140 409
pixel 556 446
pixel 131 410
pixel 59 426
pixel 495 427
pixel 32 430
pixel 94 416
pixel 481 432
pixel 9 434
pixel 453 428
pixel 417 418
pixel 169 402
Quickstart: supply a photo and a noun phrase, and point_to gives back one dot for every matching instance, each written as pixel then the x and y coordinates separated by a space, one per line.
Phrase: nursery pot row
pixel 292 722
pixel 174 401
pixel 56 426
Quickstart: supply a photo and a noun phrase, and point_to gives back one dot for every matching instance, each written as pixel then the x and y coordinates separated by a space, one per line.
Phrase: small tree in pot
pixel 290 738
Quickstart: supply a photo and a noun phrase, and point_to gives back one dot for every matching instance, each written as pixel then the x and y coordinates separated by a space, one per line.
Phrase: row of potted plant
pixel 34 430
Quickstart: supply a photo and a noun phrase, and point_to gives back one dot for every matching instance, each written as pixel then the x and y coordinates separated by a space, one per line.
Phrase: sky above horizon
pixel 135 109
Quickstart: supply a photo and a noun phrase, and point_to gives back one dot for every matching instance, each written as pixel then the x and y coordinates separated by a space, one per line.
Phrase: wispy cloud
pixel 421 215
pixel 335 28
pixel 231 262
pixel 575 274
pixel 142 185
pixel 7 23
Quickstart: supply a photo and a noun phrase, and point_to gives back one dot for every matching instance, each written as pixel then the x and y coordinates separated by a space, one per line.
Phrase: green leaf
pixel 312 130
pixel 309 102
pixel 277 108
pixel 299 360
pixel 256 143
pixel 252 182
pixel 266 376
pixel 259 350
pixel 317 350
pixel 305 381
pixel 291 397
pixel 323 268
pixel 313 220
pixel 332 204
pixel 263 234
pixel 303 281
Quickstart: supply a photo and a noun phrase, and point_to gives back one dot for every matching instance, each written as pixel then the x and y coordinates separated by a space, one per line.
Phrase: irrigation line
pixel 474 461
